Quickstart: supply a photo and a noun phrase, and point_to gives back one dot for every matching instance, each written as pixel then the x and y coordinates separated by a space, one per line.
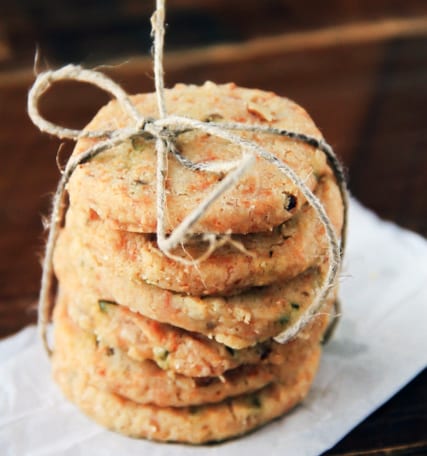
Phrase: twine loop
pixel 164 131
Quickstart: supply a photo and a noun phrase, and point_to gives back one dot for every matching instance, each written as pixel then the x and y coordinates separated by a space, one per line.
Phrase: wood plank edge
pixel 340 35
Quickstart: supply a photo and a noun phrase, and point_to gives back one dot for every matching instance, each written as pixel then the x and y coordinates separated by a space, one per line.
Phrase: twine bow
pixel 164 129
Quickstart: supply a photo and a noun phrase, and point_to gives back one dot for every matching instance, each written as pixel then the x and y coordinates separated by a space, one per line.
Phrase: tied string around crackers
pixel 164 130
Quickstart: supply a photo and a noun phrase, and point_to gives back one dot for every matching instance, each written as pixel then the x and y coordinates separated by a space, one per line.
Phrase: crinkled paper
pixel 378 347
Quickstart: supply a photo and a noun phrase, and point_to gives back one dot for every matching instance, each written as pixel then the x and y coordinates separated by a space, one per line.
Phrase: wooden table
pixel 364 84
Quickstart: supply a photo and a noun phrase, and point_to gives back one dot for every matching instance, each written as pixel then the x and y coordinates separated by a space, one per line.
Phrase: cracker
pixel 270 257
pixel 144 382
pixel 120 184
pixel 237 321
pixel 172 348
pixel 194 425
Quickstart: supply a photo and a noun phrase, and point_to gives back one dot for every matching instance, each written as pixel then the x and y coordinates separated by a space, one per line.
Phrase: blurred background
pixel 358 66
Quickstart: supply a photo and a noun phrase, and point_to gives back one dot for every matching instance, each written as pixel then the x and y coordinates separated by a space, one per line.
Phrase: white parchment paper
pixel 379 346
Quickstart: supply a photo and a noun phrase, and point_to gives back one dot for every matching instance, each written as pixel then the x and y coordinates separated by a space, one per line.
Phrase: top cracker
pixel 120 184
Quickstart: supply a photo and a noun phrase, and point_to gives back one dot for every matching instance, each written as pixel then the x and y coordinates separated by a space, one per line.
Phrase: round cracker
pixel 237 321
pixel 196 425
pixel 144 382
pixel 270 257
pixel 120 184
pixel 171 348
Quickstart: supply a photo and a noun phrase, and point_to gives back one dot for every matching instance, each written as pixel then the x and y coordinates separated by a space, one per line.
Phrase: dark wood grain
pixel 368 93
pixel 70 31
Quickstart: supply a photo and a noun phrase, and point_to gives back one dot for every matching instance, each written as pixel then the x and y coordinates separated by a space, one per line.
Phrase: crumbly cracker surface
pixel 120 183
pixel 270 257
pixel 171 348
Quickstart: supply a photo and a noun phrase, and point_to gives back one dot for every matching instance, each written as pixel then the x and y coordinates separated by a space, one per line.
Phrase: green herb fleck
pixel 263 350
pixel 140 182
pixel 295 305
pixel 103 305
pixel 284 319
pixel 230 350
pixel 138 143
pixel 214 117
pixel 161 353
pixel 255 401
pixel 161 357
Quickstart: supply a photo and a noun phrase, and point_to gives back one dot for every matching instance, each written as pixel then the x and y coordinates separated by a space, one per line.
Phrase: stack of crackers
pixel 185 351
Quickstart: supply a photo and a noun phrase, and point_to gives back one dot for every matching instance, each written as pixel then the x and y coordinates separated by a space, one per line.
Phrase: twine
pixel 164 130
